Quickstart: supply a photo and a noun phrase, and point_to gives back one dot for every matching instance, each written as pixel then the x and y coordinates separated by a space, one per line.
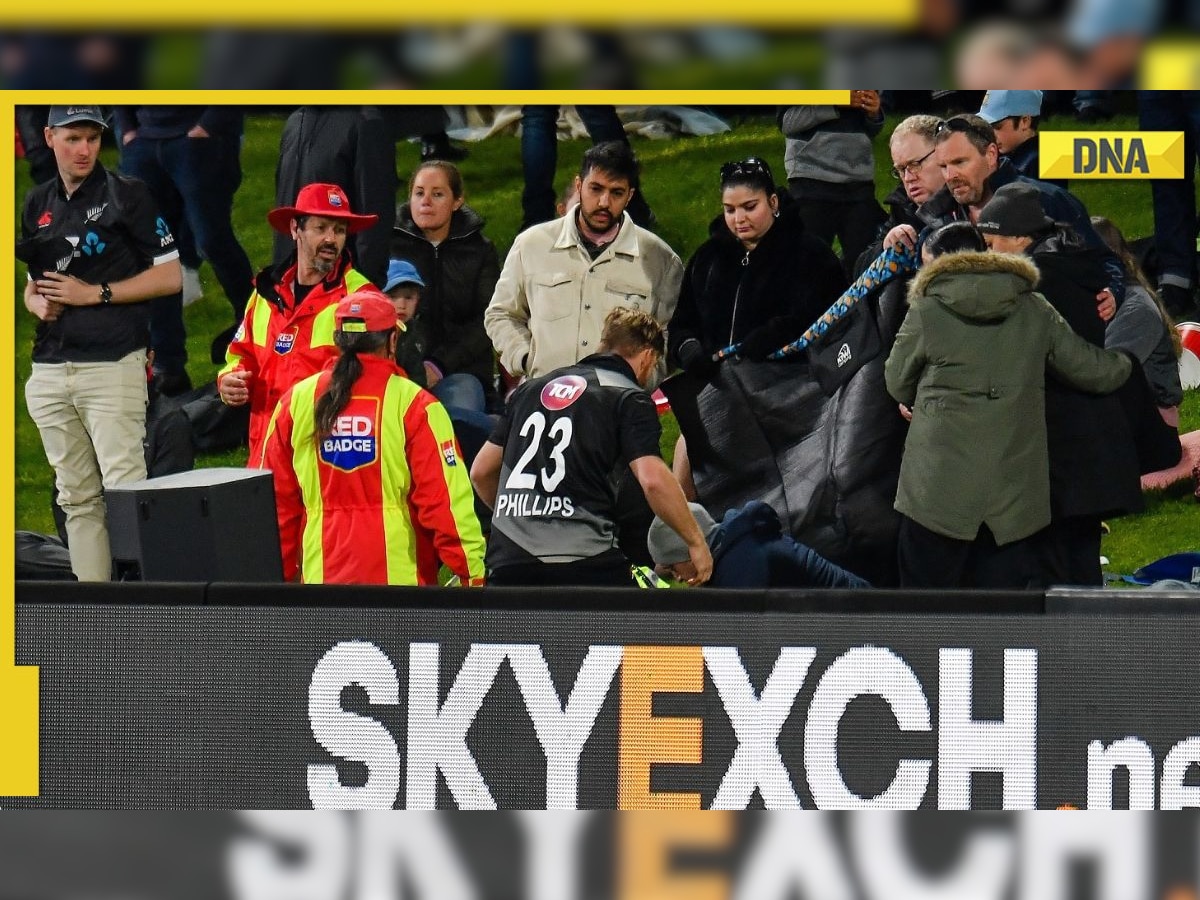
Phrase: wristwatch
pixel 105 292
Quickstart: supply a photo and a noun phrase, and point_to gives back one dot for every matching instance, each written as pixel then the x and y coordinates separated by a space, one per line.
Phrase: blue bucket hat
pixel 999 105
pixel 401 271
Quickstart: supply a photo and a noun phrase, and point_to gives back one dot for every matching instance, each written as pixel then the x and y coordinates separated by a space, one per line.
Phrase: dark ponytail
pixel 347 371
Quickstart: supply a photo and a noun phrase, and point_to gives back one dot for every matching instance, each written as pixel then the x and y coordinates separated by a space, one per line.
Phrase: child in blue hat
pixel 403 287
pixel 1015 115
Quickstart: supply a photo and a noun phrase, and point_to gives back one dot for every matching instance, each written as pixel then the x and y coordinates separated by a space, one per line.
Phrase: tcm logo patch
pixel 353 442
pixel 1111 154
pixel 285 341
pixel 562 392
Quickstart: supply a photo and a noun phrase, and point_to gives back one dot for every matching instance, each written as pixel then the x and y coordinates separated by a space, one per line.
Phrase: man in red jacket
pixel 287 332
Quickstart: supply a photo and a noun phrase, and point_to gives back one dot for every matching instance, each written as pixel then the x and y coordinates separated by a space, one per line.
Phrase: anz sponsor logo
pixel 92 245
pixel 351 444
pixel 164 233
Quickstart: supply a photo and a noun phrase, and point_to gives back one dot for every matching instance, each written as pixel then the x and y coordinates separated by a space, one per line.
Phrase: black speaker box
pixel 203 525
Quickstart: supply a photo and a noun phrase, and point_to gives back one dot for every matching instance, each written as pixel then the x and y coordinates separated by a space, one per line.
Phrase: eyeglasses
pixel 966 126
pixel 911 168
pixel 750 166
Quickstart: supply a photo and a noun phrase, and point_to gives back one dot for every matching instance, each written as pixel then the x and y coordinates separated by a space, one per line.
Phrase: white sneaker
pixel 192 291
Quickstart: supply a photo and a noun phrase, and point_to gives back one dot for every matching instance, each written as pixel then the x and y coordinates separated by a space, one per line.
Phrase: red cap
pixel 365 310
pixel 326 200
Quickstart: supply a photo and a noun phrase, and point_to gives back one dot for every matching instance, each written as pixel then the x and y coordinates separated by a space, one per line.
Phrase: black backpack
pixel 214 425
pixel 41 557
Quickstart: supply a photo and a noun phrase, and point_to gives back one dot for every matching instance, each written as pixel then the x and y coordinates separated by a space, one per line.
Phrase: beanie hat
pixel 666 547
pixel 1015 210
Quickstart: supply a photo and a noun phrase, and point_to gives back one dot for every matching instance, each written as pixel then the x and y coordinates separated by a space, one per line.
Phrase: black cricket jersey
pixel 108 230
pixel 567 438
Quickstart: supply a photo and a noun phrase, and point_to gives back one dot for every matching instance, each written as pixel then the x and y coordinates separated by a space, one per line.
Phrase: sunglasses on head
pixel 749 166
pixel 911 167
pixel 965 126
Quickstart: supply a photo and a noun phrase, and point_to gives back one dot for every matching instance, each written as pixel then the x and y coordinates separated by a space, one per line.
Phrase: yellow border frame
pixel 19 725
pixel 382 13
pixel 18 685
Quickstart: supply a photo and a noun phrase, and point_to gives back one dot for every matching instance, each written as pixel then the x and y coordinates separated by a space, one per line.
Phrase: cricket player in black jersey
pixel 552 464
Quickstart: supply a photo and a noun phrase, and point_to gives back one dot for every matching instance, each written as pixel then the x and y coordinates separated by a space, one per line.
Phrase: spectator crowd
pixel 425 406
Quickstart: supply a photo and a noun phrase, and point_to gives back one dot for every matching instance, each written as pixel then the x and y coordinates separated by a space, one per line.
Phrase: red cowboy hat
pixel 327 200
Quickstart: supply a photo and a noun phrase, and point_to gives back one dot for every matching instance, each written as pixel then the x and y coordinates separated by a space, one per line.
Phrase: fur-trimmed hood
pixel 983 286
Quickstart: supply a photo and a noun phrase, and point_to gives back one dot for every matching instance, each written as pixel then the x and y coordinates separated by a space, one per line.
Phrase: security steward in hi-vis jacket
pixel 287 332
pixel 370 485
pixel 551 467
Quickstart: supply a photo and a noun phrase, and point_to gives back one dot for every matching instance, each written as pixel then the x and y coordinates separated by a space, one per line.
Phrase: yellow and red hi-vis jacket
pixel 280 342
pixel 381 498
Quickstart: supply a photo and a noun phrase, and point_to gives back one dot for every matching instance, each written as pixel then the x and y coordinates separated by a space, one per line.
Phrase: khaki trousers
pixel 92 419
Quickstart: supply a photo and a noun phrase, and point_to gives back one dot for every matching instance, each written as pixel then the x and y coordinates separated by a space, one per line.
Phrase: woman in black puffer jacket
pixel 444 238
pixel 760 279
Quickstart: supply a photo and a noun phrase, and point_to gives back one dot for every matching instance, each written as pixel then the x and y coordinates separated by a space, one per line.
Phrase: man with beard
pixel 287 333
pixel 969 157
pixel 561 278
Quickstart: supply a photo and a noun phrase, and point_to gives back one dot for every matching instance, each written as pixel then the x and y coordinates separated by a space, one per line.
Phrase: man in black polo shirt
pixel 551 467
pixel 96 249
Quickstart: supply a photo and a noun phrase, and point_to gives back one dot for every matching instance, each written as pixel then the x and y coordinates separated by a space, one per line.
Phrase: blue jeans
pixel 539 152
pixel 460 391
pixel 1175 200
pixel 463 397
pixel 193 180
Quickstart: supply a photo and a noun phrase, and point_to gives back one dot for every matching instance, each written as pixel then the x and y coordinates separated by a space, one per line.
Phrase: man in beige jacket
pixel 561 278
